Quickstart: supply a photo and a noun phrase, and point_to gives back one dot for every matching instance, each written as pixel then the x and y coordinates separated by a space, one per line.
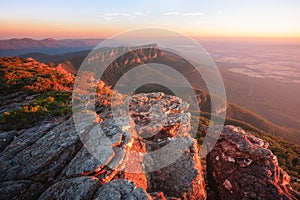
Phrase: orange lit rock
pixel 241 166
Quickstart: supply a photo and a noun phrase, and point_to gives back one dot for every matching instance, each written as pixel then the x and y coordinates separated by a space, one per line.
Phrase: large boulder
pixel 241 166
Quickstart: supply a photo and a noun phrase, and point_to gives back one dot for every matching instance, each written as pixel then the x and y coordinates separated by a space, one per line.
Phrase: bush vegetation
pixel 50 85
pixel 48 104
pixel 31 76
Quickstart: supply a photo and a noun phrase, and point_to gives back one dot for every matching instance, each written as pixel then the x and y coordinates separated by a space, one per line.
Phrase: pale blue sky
pixel 62 19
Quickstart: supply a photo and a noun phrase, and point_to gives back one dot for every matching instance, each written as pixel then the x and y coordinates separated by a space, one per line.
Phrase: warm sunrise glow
pixel 94 19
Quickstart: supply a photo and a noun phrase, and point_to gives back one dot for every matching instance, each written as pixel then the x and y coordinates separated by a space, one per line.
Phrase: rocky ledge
pixel 128 159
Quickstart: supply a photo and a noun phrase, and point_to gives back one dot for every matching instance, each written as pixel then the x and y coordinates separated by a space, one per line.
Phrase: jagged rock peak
pixel 142 53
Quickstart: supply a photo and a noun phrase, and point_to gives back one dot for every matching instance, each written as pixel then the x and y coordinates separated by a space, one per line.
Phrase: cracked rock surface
pixel 50 161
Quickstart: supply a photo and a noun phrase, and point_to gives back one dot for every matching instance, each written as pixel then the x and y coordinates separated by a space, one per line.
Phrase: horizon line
pixel 195 37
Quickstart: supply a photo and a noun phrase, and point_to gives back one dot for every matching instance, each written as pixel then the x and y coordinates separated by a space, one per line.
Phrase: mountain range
pixel 16 46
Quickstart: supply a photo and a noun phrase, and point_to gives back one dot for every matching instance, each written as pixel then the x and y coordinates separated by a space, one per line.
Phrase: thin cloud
pixel 193 14
pixel 108 16
pixel 111 16
pixel 171 13
pixel 220 13
pixel 126 15
pixel 139 13
pixel 184 14
pixel 197 23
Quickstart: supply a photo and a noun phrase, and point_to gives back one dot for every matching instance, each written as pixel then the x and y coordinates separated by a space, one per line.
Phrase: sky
pixel 99 19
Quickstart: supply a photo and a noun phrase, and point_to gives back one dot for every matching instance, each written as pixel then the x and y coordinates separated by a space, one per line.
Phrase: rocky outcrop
pixel 50 160
pixel 241 166
pixel 166 138
pixel 144 151
pixel 121 60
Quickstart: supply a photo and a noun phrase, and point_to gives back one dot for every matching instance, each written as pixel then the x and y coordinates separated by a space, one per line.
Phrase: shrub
pixel 48 104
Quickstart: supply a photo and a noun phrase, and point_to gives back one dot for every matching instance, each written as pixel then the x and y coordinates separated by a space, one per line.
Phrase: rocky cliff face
pixel 121 59
pixel 242 167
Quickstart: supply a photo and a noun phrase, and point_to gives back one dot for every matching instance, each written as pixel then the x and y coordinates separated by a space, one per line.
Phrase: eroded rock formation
pixel 164 125
pixel 50 160
pixel 241 166
pixel 143 151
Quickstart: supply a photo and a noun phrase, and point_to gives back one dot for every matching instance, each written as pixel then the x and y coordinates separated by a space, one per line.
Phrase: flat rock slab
pixel 45 158
pixel 6 138
pixel 25 139
pixel 80 188
pixel 104 149
pixel 83 163
pixel 121 189
pixel 22 189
